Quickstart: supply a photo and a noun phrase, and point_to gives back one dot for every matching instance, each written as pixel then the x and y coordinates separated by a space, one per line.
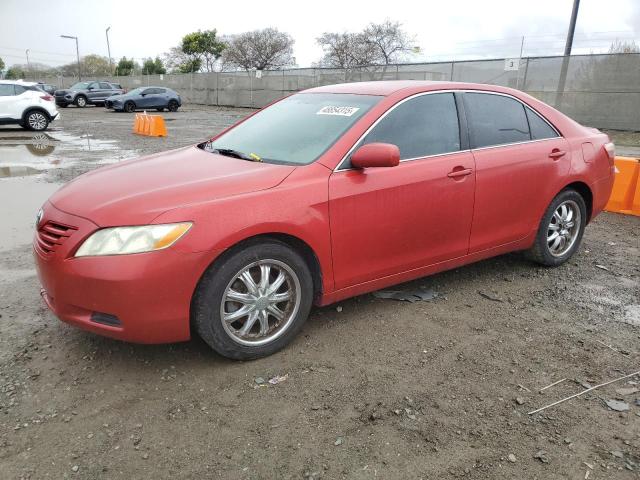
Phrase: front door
pixel 391 220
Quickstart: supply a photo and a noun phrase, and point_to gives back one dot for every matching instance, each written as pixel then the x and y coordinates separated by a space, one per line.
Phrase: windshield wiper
pixel 229 152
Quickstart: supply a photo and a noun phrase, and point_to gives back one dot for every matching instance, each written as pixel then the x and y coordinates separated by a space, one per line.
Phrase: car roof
pixel 18 82
pixel 389 87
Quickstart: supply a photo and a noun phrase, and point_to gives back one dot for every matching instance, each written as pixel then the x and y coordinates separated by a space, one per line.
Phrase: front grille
pixel 51 235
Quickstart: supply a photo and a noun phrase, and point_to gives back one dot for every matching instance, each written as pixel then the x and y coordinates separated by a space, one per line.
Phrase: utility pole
pixel 567 53
pixel 109 51
pixel 71 37
pixel 28 64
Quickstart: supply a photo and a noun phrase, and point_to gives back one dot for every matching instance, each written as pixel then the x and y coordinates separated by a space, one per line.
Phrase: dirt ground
pixel 373 388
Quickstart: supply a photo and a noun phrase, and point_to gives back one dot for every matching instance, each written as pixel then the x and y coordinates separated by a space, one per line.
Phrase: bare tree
pixel 389 41
pixel 620 46
pixel 345 50
pixel 378 44
pixel 265 49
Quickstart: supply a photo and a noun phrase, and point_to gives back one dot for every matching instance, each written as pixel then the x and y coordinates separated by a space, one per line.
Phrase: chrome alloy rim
pixel 37 121
pixel 564 228
pixel 260 302
pixel 81 101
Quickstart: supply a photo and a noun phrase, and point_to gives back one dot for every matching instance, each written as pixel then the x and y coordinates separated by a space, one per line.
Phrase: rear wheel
pixel 129 107
pixel 561 229
pixel 36 120
pixel 173 106
pixel 81 101
pixel 252 302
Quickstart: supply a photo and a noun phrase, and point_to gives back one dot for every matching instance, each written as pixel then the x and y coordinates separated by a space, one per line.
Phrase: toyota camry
pixel 326 194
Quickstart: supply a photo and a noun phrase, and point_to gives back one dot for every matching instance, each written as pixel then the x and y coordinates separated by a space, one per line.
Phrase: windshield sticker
pixel 341 111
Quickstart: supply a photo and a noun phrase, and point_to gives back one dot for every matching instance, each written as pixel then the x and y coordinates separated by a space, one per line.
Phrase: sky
pixel 455 29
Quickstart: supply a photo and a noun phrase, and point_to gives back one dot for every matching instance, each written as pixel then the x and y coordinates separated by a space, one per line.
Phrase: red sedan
pixel 326 194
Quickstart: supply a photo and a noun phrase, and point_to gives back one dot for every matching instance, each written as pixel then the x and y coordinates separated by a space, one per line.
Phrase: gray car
pixel 145 98
pixel 85 93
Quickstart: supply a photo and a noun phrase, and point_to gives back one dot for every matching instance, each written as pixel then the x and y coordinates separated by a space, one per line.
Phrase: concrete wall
pixel 601 90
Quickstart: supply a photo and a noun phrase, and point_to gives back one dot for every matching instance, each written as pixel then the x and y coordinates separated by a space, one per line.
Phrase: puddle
pixel 18 171
pixel 21 198
pixel 24 154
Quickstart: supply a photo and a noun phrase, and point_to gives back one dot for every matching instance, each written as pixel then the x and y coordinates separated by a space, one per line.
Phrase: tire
pixel 36 120
pixel 553 250
pixel 161 109
pixel 80 101
pixel 129 107
pixel 211 301
pixel 173 106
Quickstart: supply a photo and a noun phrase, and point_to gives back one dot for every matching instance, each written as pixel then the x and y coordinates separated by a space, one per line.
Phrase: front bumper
pixel 148 294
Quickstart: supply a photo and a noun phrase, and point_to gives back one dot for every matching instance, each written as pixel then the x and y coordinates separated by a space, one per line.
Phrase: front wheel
pixel 81 101
pixel 252 302
pixel 561 229
pixel 129 107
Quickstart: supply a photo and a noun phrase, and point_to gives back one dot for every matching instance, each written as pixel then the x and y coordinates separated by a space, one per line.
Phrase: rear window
pixel 540 129
pixel 495 120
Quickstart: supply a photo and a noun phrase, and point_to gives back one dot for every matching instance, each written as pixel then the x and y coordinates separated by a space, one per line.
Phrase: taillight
pixel 48 98
pixel 611 152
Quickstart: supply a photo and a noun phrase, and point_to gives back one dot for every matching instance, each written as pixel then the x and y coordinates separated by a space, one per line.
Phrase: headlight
pixel 125 240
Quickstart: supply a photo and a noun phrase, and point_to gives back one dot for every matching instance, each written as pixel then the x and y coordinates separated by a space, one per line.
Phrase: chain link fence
pixel 600 90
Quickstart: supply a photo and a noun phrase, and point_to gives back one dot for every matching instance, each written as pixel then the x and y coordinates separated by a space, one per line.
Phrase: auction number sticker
pixel 341 111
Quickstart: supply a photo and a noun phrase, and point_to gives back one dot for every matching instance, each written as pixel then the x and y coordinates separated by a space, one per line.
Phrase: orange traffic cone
pixel 136 124
pixel 625 196
pixel 157 127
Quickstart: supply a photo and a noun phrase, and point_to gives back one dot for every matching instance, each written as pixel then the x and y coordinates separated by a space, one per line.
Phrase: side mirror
pixel 376 155
pixel 90 88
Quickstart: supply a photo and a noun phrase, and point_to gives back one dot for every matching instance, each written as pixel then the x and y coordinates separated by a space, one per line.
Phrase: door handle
pixel 459 172
pixel 556 154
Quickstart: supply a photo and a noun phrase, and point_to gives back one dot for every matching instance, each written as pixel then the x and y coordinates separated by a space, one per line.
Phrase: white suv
pixel 25 104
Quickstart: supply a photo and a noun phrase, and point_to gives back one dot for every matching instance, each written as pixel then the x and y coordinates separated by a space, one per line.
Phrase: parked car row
pixel 33 105
pixel 113 96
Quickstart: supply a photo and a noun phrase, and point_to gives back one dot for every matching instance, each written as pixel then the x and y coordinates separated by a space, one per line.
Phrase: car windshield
pixel 81 86
pixel 296 130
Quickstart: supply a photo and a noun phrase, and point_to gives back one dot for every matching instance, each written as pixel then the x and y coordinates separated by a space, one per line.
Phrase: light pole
pixel 77 53
pixel 567 52
pixel 109 50
pixel 28 64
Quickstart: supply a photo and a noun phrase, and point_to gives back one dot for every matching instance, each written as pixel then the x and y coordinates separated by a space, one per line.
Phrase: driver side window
pixel 422 126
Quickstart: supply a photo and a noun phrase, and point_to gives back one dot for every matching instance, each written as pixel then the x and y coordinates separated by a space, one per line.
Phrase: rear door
pixel 386 221
pixel 106 90
pixel 520 161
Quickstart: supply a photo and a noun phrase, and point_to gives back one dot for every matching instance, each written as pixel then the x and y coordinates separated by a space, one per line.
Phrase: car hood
pixel 136 191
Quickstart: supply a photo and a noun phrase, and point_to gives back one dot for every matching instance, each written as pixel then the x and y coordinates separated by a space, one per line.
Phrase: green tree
pixel 153 67
pixel 15 72
pixel 189 66
pixel 1 64
pixel 205 47
pixel 125 67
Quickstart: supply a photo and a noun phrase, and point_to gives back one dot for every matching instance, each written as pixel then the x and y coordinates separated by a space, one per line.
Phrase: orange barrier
pixel 625 196
pixel 149 125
